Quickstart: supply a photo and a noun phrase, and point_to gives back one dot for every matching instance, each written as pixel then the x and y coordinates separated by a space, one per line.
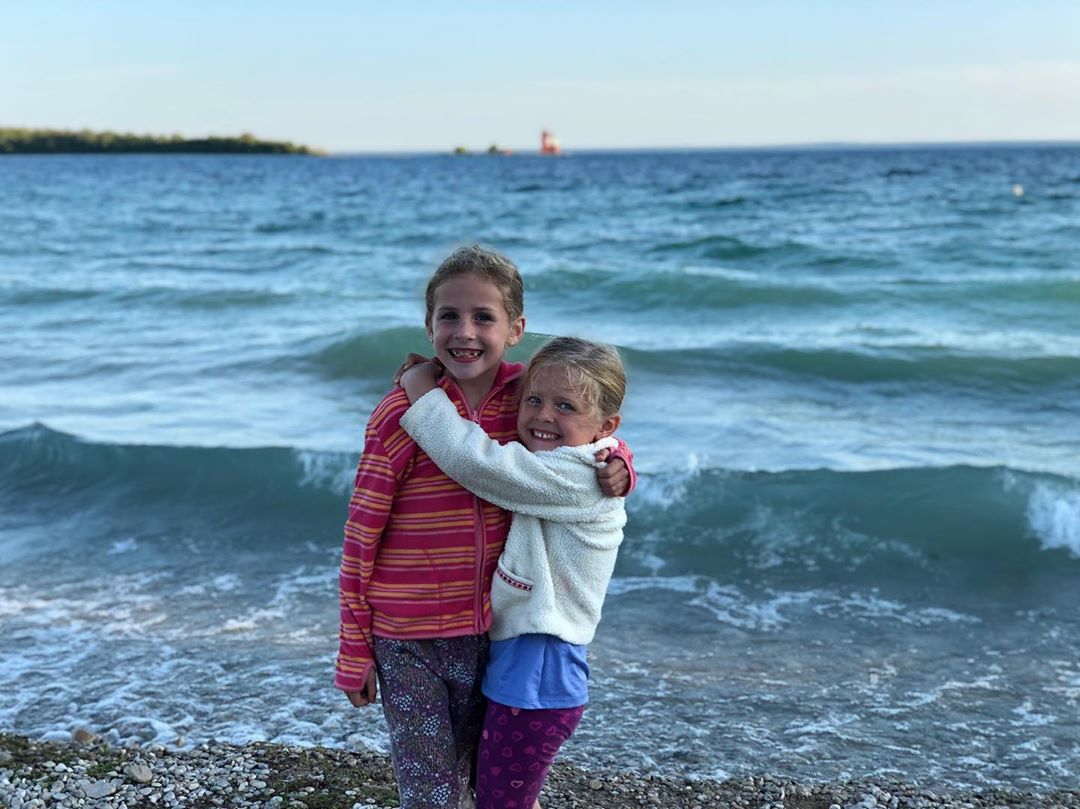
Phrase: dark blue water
pixel 855 402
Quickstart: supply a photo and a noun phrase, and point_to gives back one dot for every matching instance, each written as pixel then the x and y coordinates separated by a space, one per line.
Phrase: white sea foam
pixel 124 546
pixel 1067 673
pixel 251 619
pixel 1029 716
pixel 661 491
pixel 829 724
pixel 226 582
pixel 676 584
pixel 921 699
pixel 16 602
pixel 872 606
pixel 730 606
pixel 325 469
pixel 304 582
pixel 1053 513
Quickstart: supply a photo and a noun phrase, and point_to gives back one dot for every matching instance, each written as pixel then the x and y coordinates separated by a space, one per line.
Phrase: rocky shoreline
pixel 88 773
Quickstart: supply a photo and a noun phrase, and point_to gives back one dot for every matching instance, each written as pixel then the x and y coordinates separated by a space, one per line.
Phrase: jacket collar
pixel 508 372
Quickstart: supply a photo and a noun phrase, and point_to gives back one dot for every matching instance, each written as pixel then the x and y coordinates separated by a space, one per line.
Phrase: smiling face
pixel 554 413
pixel 471 331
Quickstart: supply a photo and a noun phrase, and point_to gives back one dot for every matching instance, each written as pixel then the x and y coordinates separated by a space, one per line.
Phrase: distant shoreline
pixel 62 141
pixel 59 141
pixel 914 146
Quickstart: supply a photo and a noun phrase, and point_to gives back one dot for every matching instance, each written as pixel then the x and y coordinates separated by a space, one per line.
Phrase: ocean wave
pixel 375 356
pixel 1041 290
pixel 40 467
pixel 45 296
pixel 903 363
pixel 876 523
pixel 736 201
pixel 719 248
pixel 921 363
pixel 905 172
pixel 310 221
pixel 201 299
pixel 694 291
pixel 1053 513
pixel 367 355
pixel 695 521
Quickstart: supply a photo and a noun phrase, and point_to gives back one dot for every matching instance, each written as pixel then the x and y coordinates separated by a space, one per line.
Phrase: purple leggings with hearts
pixel 517 747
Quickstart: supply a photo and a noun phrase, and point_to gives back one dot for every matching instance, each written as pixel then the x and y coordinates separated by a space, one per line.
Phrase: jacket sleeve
pixel 623 453
pixel 383 464
pixel 549 485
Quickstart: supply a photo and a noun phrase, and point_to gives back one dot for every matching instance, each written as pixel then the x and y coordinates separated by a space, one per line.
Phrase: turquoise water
pixel 855 391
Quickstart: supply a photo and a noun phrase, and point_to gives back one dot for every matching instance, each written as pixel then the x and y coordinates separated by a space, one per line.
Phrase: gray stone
pixel 97 789
pixel 139 773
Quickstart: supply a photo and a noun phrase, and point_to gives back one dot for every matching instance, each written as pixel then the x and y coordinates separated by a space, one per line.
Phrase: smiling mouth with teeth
pixel 465 353
pixel 544 436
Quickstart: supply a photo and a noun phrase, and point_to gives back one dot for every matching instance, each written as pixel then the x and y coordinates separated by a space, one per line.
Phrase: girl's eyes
pixel 483 316
pixel 564 407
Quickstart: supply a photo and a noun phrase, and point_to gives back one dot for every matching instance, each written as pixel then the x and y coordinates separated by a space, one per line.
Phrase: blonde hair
pixel 490 265
pixel 594 370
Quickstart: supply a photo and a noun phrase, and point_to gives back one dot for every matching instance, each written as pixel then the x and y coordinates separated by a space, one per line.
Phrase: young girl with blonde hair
pixel 553 573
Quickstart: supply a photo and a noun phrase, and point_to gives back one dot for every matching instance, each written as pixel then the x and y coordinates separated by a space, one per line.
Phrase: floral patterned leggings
pixel 517 747
pixel 433 705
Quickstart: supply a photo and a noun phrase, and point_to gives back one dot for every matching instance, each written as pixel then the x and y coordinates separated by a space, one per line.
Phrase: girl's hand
pixel 367 694
pixel 410 361
pixel 614 479
pixel 419 379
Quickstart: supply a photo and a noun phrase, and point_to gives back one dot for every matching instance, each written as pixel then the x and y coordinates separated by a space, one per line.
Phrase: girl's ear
pixel 608 427
pixel 517 330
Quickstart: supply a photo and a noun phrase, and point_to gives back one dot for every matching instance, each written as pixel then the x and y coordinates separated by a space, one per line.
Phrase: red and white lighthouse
pixel 549 144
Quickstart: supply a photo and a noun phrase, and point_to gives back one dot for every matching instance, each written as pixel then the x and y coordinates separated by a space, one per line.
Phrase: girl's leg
pixel 517 747
pixel 464 660
pixel 422 684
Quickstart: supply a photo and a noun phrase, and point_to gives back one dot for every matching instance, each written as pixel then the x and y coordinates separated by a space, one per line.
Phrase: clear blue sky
pixel 360 76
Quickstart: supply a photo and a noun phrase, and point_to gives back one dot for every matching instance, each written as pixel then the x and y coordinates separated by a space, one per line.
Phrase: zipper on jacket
pixel 478 513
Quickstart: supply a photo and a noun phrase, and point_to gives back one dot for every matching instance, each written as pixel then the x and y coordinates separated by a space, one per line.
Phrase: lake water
pixel 854 404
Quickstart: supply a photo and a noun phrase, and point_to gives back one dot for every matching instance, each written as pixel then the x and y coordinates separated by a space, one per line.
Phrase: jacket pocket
pixel 518 583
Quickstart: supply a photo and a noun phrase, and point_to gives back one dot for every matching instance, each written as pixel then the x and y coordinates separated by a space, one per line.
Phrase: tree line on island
pixel 84 141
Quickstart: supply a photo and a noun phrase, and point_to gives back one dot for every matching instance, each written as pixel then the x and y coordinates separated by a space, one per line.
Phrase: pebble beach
pixel 86 772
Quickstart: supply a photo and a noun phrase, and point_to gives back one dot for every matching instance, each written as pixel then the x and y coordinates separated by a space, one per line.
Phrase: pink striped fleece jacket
pixel 420 550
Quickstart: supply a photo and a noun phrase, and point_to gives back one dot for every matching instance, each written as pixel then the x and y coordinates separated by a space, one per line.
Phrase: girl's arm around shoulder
pixel 559 485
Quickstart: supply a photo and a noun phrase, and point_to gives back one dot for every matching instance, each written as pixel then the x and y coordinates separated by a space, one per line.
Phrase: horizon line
pixel 770 147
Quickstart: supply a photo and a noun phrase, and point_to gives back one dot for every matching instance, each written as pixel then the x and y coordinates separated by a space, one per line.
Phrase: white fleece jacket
pixel 564 536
